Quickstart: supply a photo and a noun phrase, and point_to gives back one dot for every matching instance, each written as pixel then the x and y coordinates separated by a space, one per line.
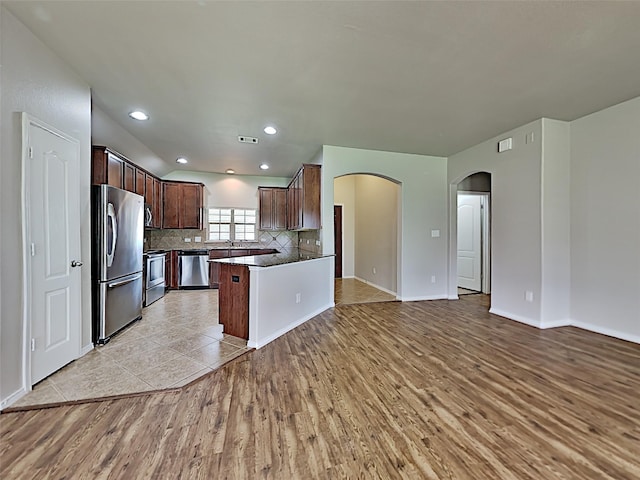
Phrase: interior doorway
pixel 337 239
pixel 474 234
pixel 51 249
pixel 366 238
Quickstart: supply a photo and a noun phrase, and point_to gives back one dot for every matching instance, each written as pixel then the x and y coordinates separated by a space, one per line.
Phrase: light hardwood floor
pixel 439 389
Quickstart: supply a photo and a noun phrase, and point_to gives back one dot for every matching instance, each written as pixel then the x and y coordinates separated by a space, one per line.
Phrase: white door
pixel 53 247
pixel 469 242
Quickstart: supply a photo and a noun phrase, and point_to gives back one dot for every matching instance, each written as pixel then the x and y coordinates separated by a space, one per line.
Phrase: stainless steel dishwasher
pixel 193 269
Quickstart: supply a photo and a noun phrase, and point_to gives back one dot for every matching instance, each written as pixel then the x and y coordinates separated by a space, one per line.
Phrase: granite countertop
pixel 272 259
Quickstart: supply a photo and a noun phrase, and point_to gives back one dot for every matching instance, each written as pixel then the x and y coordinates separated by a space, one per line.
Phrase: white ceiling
pixel 431 78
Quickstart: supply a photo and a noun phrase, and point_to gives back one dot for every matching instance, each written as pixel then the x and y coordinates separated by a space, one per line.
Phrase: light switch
pixel 197 239
pixel 435 233
pixel 187 240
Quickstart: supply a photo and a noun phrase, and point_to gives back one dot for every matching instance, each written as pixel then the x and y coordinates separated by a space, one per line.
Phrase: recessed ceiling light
pixel 264 166
pixel 230 171
pixel 138 115
pixel 269 130
pixel 181 160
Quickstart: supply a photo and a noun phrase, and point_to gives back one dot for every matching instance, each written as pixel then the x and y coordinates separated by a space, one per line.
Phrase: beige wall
pixel 376 232
pixel 36 81
pixel 240 191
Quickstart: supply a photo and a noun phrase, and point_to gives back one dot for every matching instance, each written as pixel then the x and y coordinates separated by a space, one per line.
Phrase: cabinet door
pixel 157 203
pixel 99 166
pixel 214 268
pixel 129 177
pixel 171 205
pixel 140 182
pixel 265 206
pixel 114 171
pixel 148 189
pixel 279 209
pixel 310 198
pixel 191 205
pixel 233 304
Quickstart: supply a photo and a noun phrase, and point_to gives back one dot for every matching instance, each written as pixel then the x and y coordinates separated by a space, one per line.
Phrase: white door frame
pixel 28 120
pixel 485 226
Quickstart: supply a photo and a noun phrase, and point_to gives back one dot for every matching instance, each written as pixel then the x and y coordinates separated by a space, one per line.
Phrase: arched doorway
pixel 366 241
pixel 473 234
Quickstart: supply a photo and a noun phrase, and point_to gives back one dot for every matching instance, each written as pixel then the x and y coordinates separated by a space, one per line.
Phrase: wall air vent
pixel 506 144
pixel 245 139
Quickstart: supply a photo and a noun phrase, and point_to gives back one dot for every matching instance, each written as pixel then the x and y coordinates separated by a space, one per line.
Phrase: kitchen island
pixel 263 297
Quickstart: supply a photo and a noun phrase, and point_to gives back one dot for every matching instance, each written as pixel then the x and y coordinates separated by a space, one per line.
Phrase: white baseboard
pixel 569 323
pixel 556 323
pixel 427 297
pixel 261 342
pixel 453 297
pixel 86 349
pixel 376 286
pixel 13 398
pixel 607 331
pixel 517 318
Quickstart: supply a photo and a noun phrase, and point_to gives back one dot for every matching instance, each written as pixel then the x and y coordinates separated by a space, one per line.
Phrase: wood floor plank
pixel 435 390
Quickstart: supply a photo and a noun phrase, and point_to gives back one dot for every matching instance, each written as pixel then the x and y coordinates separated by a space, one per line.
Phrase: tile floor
pixel 349 291
pixel 177 340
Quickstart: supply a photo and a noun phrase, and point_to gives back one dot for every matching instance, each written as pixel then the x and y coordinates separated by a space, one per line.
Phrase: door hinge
pixel 33 249
pixel 30 152
pixel 33 344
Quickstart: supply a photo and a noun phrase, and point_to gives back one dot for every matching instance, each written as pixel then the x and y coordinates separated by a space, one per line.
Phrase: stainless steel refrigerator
pixel 118 230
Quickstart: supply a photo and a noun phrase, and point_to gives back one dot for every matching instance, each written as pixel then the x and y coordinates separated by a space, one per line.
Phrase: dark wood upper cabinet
pixel 107 168
pixel 111 168
pixel 272 208
pixel 182 205
pixel 129 177
pixel 115 167
pixel 303 199
pixel 191 205
pixel 140 182
pixel 156 204
pixel 171 205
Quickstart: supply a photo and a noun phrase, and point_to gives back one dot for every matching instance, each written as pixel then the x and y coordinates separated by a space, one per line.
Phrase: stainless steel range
pixel 155 283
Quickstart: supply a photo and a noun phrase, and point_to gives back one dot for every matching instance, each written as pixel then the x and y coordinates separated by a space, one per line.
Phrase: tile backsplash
pixel 174 239
pixel 310 241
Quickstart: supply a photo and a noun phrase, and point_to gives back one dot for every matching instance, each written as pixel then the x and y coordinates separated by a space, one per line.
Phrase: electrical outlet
pixel 528 296
pixel 374 270
pixel 298 297
pixel 433 279
pixel 187 240
pixel 197 239
pixel 307 241
pixel 317 243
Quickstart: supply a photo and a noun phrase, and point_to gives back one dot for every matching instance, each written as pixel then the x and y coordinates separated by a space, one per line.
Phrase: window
pixel 233 224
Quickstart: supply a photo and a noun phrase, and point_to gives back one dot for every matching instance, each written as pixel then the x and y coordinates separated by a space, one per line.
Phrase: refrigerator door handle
pixel 111 215
pixel 123 282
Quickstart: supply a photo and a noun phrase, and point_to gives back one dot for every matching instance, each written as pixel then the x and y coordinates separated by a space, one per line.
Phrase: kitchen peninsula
pixel 263 297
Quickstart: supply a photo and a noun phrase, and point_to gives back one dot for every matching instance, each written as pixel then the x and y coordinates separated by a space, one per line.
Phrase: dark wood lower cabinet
pixel 234 299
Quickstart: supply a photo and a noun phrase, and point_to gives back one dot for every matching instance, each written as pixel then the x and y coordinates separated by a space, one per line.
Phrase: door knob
pixel 75 263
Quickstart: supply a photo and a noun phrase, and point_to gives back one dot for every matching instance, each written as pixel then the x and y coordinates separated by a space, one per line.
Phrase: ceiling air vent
pixel 245 139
